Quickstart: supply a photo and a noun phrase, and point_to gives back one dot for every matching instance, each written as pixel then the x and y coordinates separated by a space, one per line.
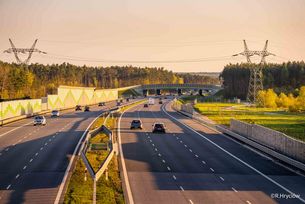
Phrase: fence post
pixel 94 191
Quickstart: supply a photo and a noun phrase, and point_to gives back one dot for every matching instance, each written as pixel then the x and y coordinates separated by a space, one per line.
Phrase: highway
pixel 33 159
pixel 193 164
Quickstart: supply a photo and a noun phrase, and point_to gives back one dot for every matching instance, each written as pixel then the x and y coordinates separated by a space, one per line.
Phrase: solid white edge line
pixel 128 188
pixel 63 182
pixel 235 157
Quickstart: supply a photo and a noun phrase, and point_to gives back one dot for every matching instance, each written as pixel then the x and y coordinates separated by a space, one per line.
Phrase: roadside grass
pixel 292 124
pixel 110 191
pixel 79 190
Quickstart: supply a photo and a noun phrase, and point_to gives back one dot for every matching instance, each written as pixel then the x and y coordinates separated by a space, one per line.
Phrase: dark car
pixel 136 124
pixel 165 97
pixel 158 128
pixel 145 105
pixel 101 104
pixel 78 108
pixel 160 102
pixel 127 99
pixel 86 108
pixel 118 104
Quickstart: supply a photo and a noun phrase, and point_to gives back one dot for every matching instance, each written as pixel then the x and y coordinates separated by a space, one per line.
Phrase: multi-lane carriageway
pixel 194 164
pixel 188 164
pixel 34 159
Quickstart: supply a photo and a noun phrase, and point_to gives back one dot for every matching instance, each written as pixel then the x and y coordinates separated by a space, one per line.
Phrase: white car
pixel 55 113
pixel 40 120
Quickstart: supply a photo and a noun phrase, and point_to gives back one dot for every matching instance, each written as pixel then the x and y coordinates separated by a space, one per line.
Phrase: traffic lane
pixel 24 152
pixel 197 178
pixel 21 134
pixel 144 167
pixel 256 159
pixel 14 126
pixel 43 175
pixel 53 164
pixel 274 171
pixel 185 184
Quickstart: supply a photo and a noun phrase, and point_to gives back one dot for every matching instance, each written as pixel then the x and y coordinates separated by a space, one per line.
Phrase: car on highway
pixel 55 113
pixel 78 108
pixel 151 101
pixel 118 104
pixel 160 102
pixel 159 128
pixel 136 124
pixel 101 104
pixel 40 120
pixel 127 99
pixel 145 105
pixel 87 108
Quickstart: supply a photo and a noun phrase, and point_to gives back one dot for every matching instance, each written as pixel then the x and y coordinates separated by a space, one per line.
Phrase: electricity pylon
pixel 256 73
pixel 16 51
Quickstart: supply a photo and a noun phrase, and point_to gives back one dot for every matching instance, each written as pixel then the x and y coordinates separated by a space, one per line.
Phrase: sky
pixel 179 35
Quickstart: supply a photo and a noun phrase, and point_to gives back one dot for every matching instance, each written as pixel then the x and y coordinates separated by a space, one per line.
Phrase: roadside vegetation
pixel 268 98
pixel 108 191
pixel 292 124
pixel 38 80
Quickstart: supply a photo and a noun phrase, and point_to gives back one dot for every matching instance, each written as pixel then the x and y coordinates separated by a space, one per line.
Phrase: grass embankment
pixel 292 124
pixel 108 191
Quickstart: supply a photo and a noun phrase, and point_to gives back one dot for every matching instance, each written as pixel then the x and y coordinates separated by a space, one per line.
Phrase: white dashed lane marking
pixel 221 178
pixel 181 188
pixel 203 162
pixel 163 160
pixel 24 167
pixel 234 190
pixel 16 176
pixel 168 168
pixel 196 155
pixel 8 187
pixel 174 177
pixel 31 160
pixel 212 169
pixel 191 202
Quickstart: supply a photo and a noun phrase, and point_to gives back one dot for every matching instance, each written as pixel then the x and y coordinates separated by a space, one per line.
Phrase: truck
pixel 151 101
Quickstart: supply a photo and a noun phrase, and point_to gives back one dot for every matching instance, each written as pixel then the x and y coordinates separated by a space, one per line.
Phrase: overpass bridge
pixel 157 88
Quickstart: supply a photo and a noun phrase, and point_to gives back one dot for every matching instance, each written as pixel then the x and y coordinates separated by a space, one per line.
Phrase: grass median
pixel 107 191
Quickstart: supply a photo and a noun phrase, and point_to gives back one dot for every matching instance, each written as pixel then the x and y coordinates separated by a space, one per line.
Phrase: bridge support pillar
pixel 145 92
pixel 179 92
pixel 200 92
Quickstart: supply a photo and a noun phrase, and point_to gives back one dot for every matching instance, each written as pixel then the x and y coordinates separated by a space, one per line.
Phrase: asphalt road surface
pixel 33 159
pixel 193 164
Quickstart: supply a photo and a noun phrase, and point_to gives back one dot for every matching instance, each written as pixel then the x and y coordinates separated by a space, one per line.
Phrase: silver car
pixel 40 120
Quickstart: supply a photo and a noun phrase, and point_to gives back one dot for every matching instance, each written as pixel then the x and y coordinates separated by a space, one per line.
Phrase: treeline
pixel 37 80
pixel 198 79
pixel 287 78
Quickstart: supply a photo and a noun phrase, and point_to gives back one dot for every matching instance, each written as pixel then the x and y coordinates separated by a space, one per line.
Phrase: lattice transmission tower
pixel 256 73
pixel 17 51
